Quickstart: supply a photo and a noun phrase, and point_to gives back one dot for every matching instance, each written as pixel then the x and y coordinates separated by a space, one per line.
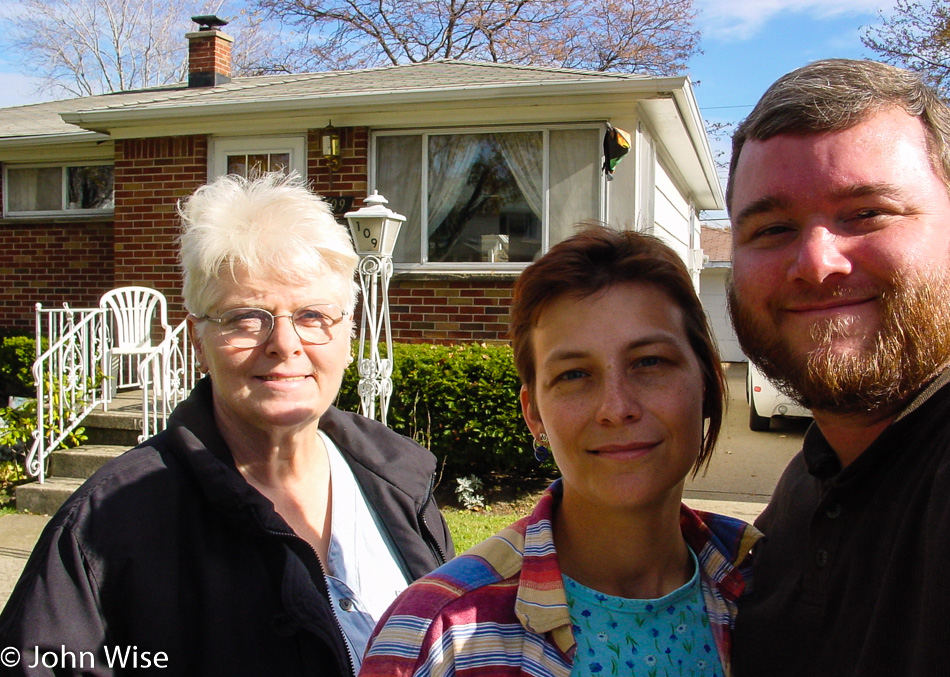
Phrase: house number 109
pixel 368 235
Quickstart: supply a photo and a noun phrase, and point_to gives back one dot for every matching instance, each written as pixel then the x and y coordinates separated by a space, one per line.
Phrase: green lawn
pixel 469 528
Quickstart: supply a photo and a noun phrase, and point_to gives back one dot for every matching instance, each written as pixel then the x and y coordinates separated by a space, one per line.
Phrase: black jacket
pixel 168 550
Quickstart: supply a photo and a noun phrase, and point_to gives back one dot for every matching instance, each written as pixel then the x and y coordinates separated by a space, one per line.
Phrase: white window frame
pixel 479 266
pixel 58 213
pixel 221 147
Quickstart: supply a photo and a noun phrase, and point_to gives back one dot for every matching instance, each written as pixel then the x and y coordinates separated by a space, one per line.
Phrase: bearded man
pixel 838 197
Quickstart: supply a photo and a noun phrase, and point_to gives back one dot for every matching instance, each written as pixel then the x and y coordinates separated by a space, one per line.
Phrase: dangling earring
pixel 541 451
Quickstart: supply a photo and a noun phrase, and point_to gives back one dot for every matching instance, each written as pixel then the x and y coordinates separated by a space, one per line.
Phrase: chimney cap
pixel 208 22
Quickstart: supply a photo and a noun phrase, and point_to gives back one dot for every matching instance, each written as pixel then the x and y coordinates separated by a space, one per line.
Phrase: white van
pixel 766 401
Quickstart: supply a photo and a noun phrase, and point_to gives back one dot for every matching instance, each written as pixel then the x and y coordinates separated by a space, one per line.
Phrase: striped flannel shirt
pixel 500 608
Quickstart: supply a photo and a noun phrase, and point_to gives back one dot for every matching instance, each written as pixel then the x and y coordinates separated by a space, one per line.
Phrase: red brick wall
pixel 449 311
pixel 151 175
pixel 50 263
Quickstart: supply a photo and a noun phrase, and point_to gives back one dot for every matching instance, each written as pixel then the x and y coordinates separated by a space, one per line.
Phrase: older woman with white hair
pixel 264 531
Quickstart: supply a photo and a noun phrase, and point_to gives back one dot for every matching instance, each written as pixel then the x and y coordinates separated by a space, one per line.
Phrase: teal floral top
pixel 665 637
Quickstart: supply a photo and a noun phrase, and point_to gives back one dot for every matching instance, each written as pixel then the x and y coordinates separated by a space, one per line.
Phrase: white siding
pixel 712 292
pixel 622 191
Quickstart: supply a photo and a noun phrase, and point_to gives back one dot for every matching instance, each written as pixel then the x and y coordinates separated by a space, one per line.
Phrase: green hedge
pixel 17 354
pixel 459 401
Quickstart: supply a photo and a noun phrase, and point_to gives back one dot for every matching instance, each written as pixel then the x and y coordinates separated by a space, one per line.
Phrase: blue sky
pixel 746 45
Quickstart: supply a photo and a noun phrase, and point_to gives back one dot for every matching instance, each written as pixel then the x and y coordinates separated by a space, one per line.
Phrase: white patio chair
pixel 132 311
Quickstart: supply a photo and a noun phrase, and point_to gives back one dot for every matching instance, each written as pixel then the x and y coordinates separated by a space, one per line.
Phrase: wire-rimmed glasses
pixel 251 327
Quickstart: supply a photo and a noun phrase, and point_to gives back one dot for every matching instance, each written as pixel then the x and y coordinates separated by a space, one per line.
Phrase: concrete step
pixel 82 461
pixel 108 434
pixel 45 499
pixel 119 428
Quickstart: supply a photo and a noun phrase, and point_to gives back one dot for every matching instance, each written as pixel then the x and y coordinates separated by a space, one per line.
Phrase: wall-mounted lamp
pixel 330 146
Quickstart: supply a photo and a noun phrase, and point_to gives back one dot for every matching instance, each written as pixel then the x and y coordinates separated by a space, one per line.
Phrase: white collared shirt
pixel 363 574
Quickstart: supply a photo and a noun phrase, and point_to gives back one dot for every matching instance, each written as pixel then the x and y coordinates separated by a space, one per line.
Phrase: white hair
pixel 272 227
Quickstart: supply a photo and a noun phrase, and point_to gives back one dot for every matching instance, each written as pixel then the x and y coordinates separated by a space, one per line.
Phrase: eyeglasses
pixel 251 327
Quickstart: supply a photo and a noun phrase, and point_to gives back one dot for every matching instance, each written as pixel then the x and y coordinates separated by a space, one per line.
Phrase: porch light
pixel 374 227
pixel 330 146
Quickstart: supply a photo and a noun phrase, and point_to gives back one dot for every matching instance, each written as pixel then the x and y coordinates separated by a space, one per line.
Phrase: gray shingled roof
pixel 435 76
pixel 43 119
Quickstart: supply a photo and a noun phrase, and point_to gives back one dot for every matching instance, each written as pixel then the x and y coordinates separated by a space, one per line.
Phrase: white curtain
pixel 523 153
pixel 34 189
pixel 450 162
pixel 575 159
pixel 399 179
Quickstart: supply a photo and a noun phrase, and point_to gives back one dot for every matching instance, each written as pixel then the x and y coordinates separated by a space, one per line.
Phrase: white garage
pixel 717 248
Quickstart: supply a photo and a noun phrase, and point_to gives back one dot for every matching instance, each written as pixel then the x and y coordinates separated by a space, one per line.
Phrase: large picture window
pixel 488 197
pixel 60 190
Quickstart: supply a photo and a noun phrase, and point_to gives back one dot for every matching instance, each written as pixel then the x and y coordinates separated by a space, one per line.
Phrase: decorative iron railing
pixel 167 376
pixel 68 374
pixel 74 376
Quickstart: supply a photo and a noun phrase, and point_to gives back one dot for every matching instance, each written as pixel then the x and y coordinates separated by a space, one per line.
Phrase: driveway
pixel 746 465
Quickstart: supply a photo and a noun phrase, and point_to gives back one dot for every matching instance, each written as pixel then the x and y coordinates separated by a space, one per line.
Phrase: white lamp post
pixel 375 229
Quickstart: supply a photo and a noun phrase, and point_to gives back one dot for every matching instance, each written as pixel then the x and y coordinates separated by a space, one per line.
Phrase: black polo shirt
pixel 853 575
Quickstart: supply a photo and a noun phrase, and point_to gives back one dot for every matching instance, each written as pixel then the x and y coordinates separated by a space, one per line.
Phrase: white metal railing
pixel 75 375
pixel 167 375
pixel 68 376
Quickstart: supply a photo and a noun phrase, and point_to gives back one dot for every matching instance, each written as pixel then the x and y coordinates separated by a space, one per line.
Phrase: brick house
pixel 490 164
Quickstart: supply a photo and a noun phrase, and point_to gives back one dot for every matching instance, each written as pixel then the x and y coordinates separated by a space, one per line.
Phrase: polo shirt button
pixel 821 557
pixel 833 511
pixel 346 604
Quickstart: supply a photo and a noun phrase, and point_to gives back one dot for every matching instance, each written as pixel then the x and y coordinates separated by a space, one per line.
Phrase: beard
pixel 911 346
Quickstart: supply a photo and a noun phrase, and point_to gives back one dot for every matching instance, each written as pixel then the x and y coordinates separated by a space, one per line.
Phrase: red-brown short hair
pixel 597 258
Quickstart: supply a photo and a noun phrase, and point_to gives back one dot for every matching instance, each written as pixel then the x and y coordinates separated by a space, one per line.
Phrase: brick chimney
pixel 209 53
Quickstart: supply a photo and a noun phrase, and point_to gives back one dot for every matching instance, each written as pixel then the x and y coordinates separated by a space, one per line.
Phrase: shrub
pixel 459 401
pixel 17 354
pixel 17 424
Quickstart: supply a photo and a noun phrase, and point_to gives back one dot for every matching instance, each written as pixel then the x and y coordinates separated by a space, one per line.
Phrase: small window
pixel 253 156
pixel 58 190
pixel 255 164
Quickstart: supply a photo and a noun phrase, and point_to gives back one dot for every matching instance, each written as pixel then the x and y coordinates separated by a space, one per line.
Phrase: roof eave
pixel 77 137
pixel 696 128
pixel 104 119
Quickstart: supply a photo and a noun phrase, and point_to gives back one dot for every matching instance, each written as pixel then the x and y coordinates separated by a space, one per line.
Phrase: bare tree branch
pixel 916 35
pixel 648 36
pixel 86 47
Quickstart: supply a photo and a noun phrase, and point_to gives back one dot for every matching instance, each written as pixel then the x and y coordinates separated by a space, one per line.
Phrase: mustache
pixel 834 292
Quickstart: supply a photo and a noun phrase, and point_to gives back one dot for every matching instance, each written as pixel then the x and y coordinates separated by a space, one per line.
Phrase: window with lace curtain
pixel 58 190
pixel 496 197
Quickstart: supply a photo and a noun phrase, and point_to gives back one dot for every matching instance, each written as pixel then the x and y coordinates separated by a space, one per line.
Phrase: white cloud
pixel 742 19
